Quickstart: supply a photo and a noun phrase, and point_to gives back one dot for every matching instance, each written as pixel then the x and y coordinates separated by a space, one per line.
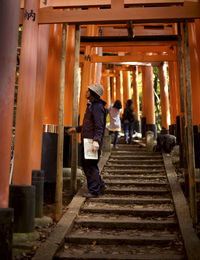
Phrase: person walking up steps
pixel 129 118
pixel 93 127
pixel 115 122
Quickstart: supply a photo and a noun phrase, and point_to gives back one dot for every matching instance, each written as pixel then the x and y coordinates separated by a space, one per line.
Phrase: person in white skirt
pixel 115 122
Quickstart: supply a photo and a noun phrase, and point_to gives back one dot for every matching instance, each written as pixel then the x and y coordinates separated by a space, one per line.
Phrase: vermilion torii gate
pixel 34 16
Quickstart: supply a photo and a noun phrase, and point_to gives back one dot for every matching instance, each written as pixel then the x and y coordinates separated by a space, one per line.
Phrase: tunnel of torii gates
pixel 68 45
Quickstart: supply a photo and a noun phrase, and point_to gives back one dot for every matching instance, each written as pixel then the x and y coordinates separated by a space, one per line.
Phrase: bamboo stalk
pixel 59 176
pixel 76 91
pixel 191 159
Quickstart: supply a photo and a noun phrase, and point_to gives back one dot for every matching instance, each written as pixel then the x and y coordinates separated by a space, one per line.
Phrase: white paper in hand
pixel 89 153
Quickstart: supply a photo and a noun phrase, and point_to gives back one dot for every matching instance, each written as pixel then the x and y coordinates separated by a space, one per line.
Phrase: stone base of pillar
pixel 106 143
pixel 6 232
pixel 164 131
pixel 153 128
pixel 22 200
pixel 38 182
pixel 143 124
pixel 172 129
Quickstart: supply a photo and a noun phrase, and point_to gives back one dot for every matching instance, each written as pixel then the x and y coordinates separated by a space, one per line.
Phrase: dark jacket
pixel 94 121
pixel 128 116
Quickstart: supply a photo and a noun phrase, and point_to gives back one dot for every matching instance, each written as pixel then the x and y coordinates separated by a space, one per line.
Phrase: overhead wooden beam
pixel 136 49
pixel 107 3
pixel 137 15
pixel 131 58
pixel 129 44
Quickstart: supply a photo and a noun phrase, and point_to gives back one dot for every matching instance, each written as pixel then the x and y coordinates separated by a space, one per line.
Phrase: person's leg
pixel 94 181
pixel 116 138
pixel 126 132
pixel 130 132
pixel 110 132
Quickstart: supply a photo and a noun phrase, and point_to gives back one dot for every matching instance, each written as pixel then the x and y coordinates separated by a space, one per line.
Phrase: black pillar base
pixel 6 233
pixel 164 131
pixel 22 199
pixel 143 126
pixel 38 182
pixel 178 130
pixel 172 130
pixel 153 128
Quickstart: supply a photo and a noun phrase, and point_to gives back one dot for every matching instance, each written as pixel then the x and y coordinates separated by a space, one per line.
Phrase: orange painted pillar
pixel 8 52
pixel 164 97
pixel 87 72
pixel 149 99
pixel 113 89
pixel 69 75
pixel 22 173
pixel 126 86
pixel 42 57
pixel 172 95
pixel 99 67
pixel 105 93
pixel 135 92
pixel 195 71
pixel 118 87
pixel 53 75
pixel 143 92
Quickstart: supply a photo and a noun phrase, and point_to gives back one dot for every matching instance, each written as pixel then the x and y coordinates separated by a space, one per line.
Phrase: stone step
pixel 147 212
pixel 132 166
pixel 131 200
pixel 134 177
pixel 126 223
pixel 103 239
pixel 137 183
pixel 136 157
pixel 132 171
pixel 100 256
pixel 137 191
pixel 135 162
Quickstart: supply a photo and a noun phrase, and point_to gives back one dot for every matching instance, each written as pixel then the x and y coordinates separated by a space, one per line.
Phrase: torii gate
pixel 31 17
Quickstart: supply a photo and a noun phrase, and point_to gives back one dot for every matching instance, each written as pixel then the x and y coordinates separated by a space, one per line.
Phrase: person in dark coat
pixel 128 119
pixel 93 127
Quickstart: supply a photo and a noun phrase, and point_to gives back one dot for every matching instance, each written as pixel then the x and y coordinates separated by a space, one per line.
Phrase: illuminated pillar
pixel 164 98
pixel 43 43
pixel 53 75
pixel 126 86
pixel 22 173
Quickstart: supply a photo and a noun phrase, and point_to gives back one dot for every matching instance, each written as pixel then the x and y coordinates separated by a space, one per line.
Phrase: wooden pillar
pixel 9 23
pixel 113 89
pixel 149 99
pixel 164 97
pixel 106 94
pixel 69 74
pixel 76 86
pixel 22 173
pixel 126 86
pixel 99 67
pixel 135 92
pixel 118 87
pixel 53 75
pixel 172 98
pixel 42 56
pixel 86 75
pixel 191 157
pixel 143 92
pixel 195 72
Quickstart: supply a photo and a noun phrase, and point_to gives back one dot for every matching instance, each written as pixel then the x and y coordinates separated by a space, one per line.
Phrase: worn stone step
pixel 136 157
pixel 132 171
pixel 137 183
pixel 126 223
pixel 127 211
pixel 135 162
pixel 134 177
pixel 134 152
pixel 103 239
pixel 132 166
pixel 137 191
pixel 131 200
pixel 95 251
